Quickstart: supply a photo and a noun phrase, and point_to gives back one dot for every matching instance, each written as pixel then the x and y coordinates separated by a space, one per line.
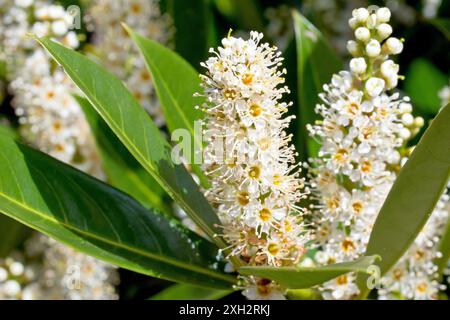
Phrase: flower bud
pixel 362 34
pixel 374 86
pixel 358 65
pixel 389 68
pixel 419 122
pixel 383 15
pixel 384 30
pixel 407 119
pixel 371 21
pixel 405 107
pixel 373 48
pixel 352 23
pixel 360 14
pixel 393 46
pixel 353 48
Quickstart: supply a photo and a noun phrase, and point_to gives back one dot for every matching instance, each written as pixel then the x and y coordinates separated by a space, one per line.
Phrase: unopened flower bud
pixel 371 21
pixel 407 119
pixel 374 86
pixel 353 23
pixel 353 48
pixel 393 46
pixel 358 65
pixel 373 48
pixel 389 68
pixel 360 14
pixel 383 15
pixel 362 34
pixel 405 107
pixel 384 30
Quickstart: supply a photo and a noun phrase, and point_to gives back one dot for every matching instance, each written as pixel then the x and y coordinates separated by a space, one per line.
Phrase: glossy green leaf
pixel 423 82
pixel 6 130
pixel 122 170
pixel 413 196
pixel 316 63
pixel 175 82
pixel 82 212
pixel 196 19
pixel 188 292
pixel 131 124
pixel 302 278
pixel 443 25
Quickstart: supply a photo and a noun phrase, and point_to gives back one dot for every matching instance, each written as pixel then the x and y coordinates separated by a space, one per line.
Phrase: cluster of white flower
pixel 49 116
pixel 414 276
pixel 47 270
pixel 363 138
pixel 331 16
pixel 249 159
pixel 119 54
pixel 19 18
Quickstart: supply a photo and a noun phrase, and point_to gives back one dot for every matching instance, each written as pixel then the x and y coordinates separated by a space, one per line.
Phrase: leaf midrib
pixel 146 164
pixel 117 244
pixel 139 39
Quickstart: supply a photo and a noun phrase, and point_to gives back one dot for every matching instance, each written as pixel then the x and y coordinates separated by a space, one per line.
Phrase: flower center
pixel 230 94
pixel 254 172
pixel 273 248
pixel 348 245
pixel 247 79
pixel 265 214
pixel 243 198
pixel 341 280
pixel 255 110
pixel 357 207
pixel 340 155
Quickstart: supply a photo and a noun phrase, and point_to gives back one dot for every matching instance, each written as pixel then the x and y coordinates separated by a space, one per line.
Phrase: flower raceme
pixel 255 184
pixel 363 135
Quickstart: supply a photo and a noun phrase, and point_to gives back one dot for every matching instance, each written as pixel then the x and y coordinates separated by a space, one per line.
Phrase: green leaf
pixel 122 170
pixel 303 278
pixel 12 233
pixel 175 83
pixel 316 63
pixel 131 124
pixel 6 130
pixel 444 248
pixel 422 83
pixel 188 292
pixel 443 25
pixel 413 196
pixel 84 213
pixel 192 21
